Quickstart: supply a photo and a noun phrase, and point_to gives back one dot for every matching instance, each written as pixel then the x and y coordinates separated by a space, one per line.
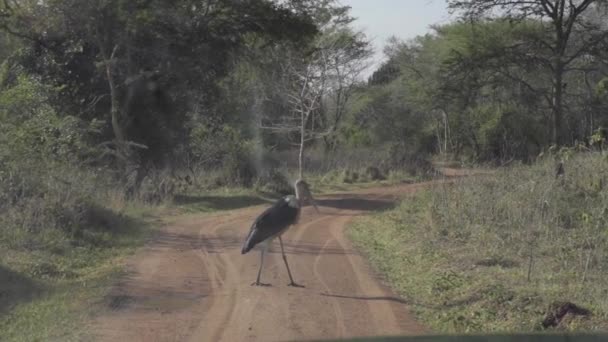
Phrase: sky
pixel 405 19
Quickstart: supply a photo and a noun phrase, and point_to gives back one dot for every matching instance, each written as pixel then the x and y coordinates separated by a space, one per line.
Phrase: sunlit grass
pixel 51 294
pixel 493 253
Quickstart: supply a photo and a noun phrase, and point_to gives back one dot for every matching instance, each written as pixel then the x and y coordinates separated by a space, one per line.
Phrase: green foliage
pixel 553 43
pixel 8 46
pixel 44 191
pixel 275 182
pixel 384 115
pixel 476 91
pixel 598 138
pixel 60 238
pixel 355 136
pixel 507 130
pixel 224 146
pixel 161 82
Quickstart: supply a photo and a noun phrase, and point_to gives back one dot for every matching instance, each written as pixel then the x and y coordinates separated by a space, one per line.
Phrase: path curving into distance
pixel 192 283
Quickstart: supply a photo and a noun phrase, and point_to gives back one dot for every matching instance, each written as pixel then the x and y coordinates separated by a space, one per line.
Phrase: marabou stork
pixel 274 221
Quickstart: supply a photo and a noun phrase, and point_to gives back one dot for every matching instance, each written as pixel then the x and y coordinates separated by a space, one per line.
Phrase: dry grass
pixel 494 253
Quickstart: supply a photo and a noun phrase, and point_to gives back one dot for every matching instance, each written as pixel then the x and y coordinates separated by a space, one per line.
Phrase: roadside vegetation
pixel 501 252
pixel 115 114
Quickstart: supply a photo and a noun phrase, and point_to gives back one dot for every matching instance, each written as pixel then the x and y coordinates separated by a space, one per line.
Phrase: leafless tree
pixel 303 84
pixel 327 73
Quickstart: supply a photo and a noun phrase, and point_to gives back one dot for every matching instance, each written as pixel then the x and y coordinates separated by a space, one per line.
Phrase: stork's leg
pixel 287 265
pixel 257 282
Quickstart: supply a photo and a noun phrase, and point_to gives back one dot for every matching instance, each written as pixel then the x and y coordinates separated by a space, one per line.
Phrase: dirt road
pixel 192 283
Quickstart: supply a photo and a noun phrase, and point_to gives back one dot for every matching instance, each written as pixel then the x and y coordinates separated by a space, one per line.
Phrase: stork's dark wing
pixel 271 222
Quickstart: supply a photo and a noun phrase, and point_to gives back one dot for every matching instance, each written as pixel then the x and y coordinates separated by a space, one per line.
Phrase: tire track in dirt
pixel 192 283
pixel 221 311
pixel 338 313
pixel 220 332
pixel 380 320
pixel 350 265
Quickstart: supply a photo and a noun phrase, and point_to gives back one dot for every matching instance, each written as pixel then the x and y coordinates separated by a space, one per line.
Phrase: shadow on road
pixel 388 298
pixel 221 244
pixel 354 203
pixel 302 248
pixel 206 203
pixel 15 288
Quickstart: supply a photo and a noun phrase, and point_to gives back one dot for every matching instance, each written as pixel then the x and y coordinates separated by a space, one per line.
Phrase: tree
pixel 570 36
pixel 449 92
pixel 142 66
pixel 347 55
pixel 303 84
pixel 316 81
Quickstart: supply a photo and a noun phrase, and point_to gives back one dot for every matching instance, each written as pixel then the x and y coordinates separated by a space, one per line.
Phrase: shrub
pixel 47 196
pixel 224 147
pixel 373 173
pixel 274 181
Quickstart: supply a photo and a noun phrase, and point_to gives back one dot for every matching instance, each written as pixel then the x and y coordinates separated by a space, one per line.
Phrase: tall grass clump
pixel 501 252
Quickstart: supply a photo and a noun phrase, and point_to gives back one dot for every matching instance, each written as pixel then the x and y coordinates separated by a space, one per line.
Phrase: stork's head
pixel 292 201
pixel 303 193
pixel 300 186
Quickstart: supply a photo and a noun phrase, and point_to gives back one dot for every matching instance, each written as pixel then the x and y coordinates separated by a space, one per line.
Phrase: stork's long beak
pixel 314 203
pixel 312 199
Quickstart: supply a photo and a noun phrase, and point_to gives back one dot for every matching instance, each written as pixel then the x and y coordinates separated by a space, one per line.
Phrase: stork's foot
pixel 257 283
pixel 295 285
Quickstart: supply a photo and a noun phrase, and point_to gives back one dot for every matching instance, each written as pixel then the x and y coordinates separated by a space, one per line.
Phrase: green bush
pixel 223 148
pixel 48 195
pixel 272 180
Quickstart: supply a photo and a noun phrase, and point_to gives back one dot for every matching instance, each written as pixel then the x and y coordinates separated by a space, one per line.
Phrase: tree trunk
pixel 446 131
pixel 129 165
pixel 301 156
pixel 114 105
pixel 439 143
pixel 557 108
